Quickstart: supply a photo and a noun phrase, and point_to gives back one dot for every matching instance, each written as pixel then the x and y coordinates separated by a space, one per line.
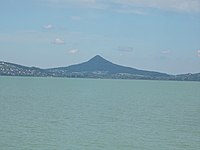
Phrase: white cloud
pixel 132 6
pixel 125 49
pixel 165 52
pixel 96 4
pixel 73 51
pixel 48 26
pixel 198 53
pixel 130 11
pixel 175 5
pixel 58 41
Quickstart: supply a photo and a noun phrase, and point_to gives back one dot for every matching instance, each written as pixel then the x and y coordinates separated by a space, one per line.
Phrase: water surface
pixel 88 114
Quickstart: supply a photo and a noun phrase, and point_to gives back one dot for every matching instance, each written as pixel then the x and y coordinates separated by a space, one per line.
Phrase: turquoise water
pixel 87 114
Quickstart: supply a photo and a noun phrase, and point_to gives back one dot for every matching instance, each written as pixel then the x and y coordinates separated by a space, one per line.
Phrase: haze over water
pixel 88 114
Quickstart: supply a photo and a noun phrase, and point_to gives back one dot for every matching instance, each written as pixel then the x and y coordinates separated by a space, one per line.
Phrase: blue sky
pixel 159 35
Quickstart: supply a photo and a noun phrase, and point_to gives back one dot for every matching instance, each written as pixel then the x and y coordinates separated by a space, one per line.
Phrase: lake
pixel 96 114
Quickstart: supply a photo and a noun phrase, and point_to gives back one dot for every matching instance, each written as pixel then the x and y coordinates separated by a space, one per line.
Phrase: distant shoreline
pixel 48 77
pixel 97 68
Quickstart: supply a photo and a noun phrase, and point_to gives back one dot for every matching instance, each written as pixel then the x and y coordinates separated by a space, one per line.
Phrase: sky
pixel 157 35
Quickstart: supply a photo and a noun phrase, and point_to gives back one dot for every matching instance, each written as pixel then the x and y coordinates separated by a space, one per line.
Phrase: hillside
pixel 97 67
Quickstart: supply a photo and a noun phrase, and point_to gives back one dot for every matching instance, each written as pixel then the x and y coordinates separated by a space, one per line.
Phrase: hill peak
pixel 98 59
pixel 98 56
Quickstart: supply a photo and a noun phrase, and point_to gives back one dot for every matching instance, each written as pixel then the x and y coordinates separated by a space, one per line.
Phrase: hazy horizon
pixel 151 35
